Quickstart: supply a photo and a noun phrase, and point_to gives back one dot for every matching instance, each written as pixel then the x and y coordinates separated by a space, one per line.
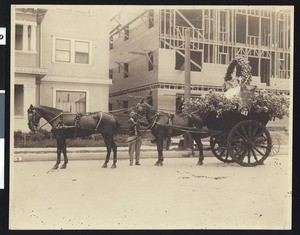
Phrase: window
pixel 19 100
pixel 223 26
pixel 126 33
pixel 63 50
pixel 25 37
pixel 71 101
pixel 195 60
pixel 19 37
pixel 150 61
pixel 81 52
pixel 281 34
pixel 126 70
pixel 253 26
pixel 240 28
pixel 265 31
pixel 254 65
pixel 72 51
pixel 223 58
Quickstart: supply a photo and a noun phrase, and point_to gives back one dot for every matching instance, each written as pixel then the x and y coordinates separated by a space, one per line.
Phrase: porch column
pixel 25 38
pixel 33 38
pixel 38 91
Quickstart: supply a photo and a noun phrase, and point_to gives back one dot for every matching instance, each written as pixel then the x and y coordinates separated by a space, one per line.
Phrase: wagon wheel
pixel 218 147
pixel 249 143
pixel 275 145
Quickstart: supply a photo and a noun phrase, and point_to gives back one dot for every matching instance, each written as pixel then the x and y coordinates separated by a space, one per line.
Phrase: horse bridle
pixel 144 113
pixel 32 122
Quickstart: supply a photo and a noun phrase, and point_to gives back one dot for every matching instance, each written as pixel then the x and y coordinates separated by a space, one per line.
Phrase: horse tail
pixel 118 124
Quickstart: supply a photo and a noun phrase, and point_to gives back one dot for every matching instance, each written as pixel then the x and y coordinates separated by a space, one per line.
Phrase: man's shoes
pixel 137 163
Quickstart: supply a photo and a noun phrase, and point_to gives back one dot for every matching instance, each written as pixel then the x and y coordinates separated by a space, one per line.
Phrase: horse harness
pixel 169 123
pixel 77 119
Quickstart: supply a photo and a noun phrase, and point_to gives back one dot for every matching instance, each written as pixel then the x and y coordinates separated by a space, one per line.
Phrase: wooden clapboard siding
pixel 140 38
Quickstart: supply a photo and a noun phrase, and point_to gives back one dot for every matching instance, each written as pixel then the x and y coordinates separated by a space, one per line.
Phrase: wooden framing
pixel 144 53
pixel 211 36
pixel 120 28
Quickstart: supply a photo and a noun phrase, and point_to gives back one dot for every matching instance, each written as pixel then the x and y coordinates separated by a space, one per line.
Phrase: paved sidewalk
pixel 99 153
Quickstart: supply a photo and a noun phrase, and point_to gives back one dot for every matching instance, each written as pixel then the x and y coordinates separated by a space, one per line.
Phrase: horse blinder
pixel 32 122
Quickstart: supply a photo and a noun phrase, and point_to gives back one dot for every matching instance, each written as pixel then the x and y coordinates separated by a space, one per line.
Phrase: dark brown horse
pixel 70 125
pixel 166 125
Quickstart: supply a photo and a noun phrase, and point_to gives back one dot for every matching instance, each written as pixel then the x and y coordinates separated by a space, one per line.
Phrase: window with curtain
pixel 72 51
pixel 71 101
pixel 63 50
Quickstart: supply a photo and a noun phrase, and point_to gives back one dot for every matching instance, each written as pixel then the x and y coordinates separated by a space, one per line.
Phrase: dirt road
pixel 179 195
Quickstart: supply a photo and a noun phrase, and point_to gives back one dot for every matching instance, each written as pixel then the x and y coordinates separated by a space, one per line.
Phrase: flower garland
pixel 274 104
pixel 243 70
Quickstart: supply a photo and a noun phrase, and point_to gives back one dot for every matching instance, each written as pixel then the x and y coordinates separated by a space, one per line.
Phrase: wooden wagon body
pixel 239 138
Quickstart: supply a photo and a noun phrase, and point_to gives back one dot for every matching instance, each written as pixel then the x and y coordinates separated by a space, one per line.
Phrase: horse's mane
pixel 49 109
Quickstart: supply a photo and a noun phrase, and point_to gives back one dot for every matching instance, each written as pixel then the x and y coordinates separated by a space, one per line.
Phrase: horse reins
pixel 48 122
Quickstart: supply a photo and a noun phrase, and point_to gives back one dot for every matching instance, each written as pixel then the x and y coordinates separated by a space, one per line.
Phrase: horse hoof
pixel 55 167
pixel 104 166
pixel 199 163
pixel 113 166
pixel 63 166
pixel 158 164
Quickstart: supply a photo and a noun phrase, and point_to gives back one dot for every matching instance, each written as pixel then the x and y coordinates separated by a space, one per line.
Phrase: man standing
pixel 134 139
pixel 149 99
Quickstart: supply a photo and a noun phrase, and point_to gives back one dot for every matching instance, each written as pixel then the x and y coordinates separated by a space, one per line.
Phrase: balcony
pixel 39 72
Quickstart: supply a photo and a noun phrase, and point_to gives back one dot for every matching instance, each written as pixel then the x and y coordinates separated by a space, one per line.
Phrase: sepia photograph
pixel 151 117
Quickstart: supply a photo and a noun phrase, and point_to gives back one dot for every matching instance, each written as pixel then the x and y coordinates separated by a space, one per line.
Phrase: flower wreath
pixel 243 70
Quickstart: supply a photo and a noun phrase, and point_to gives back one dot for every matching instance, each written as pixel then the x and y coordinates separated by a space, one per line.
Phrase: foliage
pixel 276 105
pixel 42 138
pixel 243 70
pixel 212 103
pixel 37 135
pixel 18 135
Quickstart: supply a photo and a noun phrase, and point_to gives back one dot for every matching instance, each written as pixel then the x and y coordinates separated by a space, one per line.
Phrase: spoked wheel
pixel 275 145
pixel 218 145
pixel 249 143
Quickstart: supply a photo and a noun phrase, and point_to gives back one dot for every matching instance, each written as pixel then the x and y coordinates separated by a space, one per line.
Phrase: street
pixel 179 195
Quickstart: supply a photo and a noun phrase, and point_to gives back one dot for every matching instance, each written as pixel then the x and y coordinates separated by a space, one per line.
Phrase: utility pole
pixel 188 142
pixel 187 65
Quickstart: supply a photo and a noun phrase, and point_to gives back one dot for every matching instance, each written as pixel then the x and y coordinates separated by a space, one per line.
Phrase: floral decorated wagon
pixel 237 118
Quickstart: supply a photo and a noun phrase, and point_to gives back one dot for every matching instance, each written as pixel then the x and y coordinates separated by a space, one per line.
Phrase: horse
pixel 71 125
pixel 164 125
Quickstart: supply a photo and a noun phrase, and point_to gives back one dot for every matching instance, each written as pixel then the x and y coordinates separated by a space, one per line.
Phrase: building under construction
pixel 147 51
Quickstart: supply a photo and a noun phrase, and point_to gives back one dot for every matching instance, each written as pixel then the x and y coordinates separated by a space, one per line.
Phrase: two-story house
pixel 60 59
